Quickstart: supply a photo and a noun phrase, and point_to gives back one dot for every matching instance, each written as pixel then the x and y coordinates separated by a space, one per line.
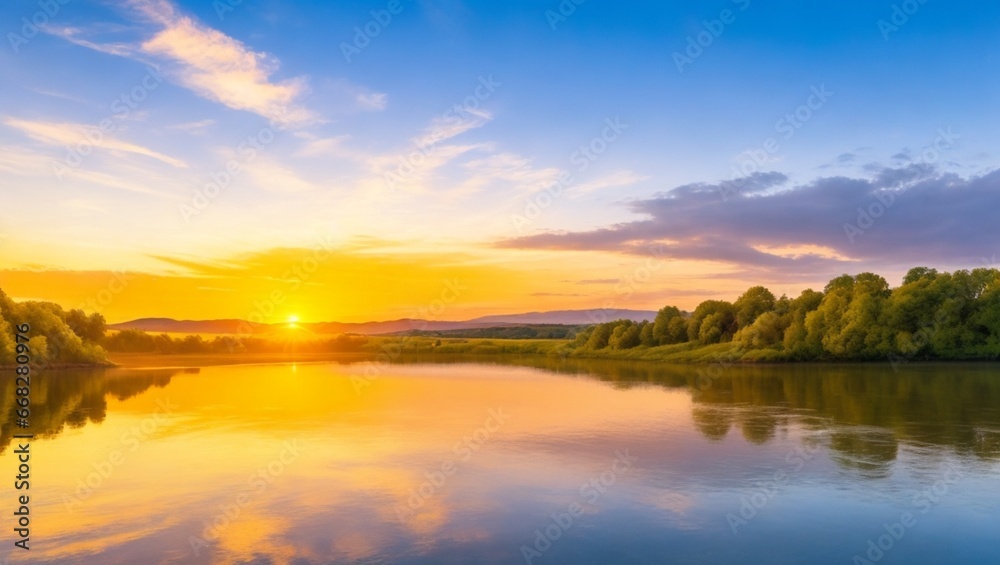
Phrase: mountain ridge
pixel 235 326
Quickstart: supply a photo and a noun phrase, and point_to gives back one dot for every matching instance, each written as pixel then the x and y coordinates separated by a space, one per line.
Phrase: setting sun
pixel 292 321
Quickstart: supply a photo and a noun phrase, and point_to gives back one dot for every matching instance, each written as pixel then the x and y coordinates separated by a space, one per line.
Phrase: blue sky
pixel 221 76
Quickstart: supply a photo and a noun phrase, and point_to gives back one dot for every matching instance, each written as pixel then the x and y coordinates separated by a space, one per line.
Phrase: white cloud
pixel 326 147
pixel 450 125
pixel 194 128
pixel 70 135
pixel 513 169
pixel 72 34
pixel 210 63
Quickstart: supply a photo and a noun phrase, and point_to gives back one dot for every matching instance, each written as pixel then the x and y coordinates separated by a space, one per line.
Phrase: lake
pixel 529 461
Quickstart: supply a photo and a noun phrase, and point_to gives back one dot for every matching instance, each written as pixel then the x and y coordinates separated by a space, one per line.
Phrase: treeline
pixel 56 336
pixel 931 315
pixel 138 341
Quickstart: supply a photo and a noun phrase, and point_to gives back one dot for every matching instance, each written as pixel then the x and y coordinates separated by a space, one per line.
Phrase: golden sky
pixel 209 160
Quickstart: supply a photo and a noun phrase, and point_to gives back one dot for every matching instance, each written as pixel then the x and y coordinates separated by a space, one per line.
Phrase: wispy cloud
pixel 69 134
pixel 322 146
pixel 208 62
pixel 373 100
pixel 199 127
pixel 62 95
pixel 74 35
pixel 445 128
pixel 518 172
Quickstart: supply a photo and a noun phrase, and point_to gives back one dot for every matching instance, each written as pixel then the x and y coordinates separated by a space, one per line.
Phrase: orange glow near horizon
pixel 299 285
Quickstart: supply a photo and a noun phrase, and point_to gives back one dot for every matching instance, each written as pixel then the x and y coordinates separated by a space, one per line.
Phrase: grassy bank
pixel 390 348
pixel 678 353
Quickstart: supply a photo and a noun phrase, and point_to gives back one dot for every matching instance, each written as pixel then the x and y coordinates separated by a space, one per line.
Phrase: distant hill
pixel 558 317
pixel 170 325
pixel 571 317
pixel 526 331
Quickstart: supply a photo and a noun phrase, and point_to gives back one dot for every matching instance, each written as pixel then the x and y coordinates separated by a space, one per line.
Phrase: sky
pixel 447 159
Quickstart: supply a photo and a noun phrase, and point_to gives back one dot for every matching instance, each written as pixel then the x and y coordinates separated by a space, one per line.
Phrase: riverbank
pixel 132 360
pixel 60 366
pixel 390 348
pixel 688 352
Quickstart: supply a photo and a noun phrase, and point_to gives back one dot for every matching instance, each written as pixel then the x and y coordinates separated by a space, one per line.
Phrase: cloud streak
pixel 68 135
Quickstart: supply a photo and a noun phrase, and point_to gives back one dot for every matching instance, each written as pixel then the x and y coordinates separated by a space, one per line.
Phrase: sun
pixel 293 321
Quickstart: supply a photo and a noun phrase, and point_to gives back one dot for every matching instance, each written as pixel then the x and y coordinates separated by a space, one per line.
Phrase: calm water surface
pixel 532 461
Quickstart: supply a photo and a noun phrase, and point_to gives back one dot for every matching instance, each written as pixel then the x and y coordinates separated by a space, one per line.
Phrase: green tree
pixel 599 337
pixel 89 328
pixel 661 325
pixel 917 273
pixel 677 330
pixel 624 336
pixel 722 326
pixel 646 335
pixel 766 332
pixel 754 302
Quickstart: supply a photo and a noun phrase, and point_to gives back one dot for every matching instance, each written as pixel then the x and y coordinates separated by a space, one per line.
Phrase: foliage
pixel 932 315
pixel 55 336
pixel 138 341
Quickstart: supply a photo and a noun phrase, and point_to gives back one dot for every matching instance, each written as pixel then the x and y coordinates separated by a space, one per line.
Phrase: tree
pixel 848 320
pixel 646 335
pixel 599 337
pixel 725 322
pixel 89 328
pixel 754 302
pixel 767 331
pixel 661 325
pixel 7 346
pixel 624 336
pixel 677 330
pixel 796 341
pixel 917 273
